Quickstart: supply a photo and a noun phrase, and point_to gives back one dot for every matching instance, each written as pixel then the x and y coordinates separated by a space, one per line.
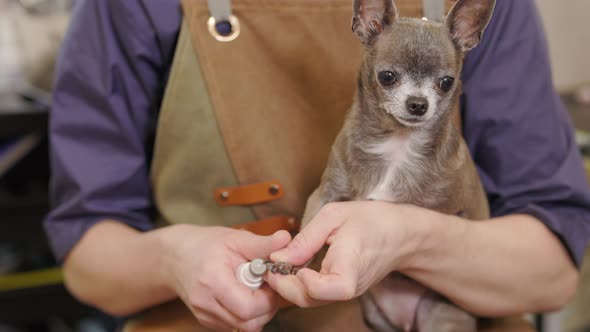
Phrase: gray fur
pixel 424 160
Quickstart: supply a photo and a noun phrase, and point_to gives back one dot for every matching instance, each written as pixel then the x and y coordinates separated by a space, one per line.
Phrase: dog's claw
pixel 283 268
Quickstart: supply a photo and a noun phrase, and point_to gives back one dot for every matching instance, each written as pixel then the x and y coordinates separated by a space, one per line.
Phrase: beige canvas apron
pixel 267 105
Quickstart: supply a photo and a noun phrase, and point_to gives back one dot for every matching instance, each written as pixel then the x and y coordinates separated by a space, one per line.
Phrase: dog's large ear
pixel 467 21
pixel 370 17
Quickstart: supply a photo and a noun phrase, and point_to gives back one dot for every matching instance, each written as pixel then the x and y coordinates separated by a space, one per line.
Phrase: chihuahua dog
pixel 400 143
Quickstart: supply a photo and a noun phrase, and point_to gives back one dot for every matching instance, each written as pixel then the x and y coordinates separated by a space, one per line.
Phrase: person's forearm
pixel 117 269
pixel 504 266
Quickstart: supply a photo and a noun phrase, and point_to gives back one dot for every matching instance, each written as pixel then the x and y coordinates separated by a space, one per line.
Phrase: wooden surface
pixel 174 317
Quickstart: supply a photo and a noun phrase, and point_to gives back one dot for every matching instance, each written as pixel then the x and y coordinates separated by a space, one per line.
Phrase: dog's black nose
pixel 417 105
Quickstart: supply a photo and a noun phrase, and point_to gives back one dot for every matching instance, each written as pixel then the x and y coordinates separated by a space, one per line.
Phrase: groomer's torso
pixel 265 106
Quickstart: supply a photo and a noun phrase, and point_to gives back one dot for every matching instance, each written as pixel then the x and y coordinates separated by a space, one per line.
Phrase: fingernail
pixel 284 235
pixel 279 255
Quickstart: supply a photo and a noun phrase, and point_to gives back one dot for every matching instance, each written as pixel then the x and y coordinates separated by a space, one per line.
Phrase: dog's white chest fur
pixel 398 154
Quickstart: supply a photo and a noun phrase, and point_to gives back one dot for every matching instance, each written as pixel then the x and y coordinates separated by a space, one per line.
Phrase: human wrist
pixel 166 243
pixel 427 236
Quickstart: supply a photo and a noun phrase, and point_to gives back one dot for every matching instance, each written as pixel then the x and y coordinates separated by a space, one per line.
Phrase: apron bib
pixel 267 105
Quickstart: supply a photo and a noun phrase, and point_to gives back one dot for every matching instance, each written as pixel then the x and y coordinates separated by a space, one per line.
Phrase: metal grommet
pixel 274 189
pixel 235 29
pixel 224 195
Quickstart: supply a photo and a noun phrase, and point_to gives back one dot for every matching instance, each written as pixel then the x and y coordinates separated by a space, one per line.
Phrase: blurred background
pixel 32 295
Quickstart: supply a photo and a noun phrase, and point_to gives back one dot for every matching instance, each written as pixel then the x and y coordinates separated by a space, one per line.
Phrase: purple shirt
pixel 114 65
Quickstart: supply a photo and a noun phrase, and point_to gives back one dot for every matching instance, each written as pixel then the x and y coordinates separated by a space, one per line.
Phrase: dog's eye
pixel 387 77
pixel 446 83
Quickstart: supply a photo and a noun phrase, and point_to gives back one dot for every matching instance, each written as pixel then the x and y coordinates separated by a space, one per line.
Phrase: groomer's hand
pixel 367 240
pixel 199 264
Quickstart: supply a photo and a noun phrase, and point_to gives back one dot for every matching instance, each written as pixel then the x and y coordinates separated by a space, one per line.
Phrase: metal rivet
pixel 235 32
pixel 291 221
pixel 224 195
pixel 274 189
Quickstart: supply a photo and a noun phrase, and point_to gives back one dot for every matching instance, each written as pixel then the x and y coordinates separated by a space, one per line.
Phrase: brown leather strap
pixel 251 194
pixel 271 225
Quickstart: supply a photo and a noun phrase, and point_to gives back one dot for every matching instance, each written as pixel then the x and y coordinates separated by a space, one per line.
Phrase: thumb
pixel 253 246
pixel 313 237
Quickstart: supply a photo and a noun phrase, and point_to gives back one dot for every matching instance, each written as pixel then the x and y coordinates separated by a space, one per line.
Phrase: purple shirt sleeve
pixel 518 131
pixel 110 79
pixel 113 69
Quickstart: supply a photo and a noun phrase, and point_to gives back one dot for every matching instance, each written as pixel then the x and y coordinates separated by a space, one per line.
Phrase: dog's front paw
pixel 373 317
pixel 436 314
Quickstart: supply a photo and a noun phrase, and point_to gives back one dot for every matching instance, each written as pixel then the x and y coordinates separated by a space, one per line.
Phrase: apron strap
pixel 434 10
pixel 220 9
pixel 223 26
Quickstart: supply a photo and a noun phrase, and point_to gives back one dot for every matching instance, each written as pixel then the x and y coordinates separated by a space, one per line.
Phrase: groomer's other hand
pixel 199 264
pixel 367 241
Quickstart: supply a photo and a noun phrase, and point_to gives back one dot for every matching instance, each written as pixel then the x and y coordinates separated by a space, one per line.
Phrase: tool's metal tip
pixel 258 267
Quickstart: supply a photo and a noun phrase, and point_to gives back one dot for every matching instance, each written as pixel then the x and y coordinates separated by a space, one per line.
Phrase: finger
pixel 338 278
pixel 292 290
pixel 327 287
pixel 241 301
pixel 313 237
pixel 207 318
pixel 216 317
pixel 254 324
pixel 211 321
pixel 253 246
pixel 257 324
